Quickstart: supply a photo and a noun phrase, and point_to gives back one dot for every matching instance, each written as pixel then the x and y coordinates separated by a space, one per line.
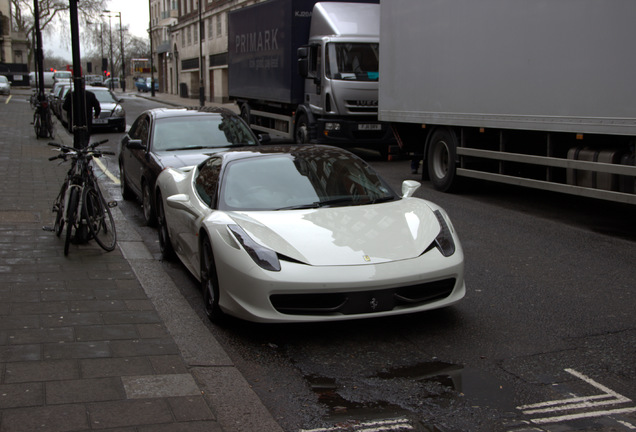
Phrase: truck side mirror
pixel 303 61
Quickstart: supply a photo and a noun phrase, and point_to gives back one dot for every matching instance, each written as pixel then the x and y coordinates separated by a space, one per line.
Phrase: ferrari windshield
pixel 299 180
pixel 201 131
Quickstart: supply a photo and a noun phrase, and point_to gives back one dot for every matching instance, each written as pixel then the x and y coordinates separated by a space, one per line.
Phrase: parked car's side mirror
pixel 135 144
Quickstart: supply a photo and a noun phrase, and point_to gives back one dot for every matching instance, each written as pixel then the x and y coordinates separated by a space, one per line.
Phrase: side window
pixel 134 129
pixel 207 180
pixel 314 60
pixel 144 129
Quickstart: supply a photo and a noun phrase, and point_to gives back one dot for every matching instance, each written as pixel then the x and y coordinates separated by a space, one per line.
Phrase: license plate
pixel 100 121
pixel 370 127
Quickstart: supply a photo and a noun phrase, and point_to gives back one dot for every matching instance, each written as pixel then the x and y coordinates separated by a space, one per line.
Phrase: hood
pixel 368 234
pixel 183 158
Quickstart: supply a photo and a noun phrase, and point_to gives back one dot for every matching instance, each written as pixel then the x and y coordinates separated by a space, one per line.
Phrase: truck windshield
pixel 352 61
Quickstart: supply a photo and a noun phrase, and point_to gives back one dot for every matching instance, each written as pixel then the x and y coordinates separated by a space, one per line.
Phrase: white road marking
pixel 375 426
pixel 608 397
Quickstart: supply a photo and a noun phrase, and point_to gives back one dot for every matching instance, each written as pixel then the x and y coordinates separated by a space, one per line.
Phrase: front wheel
pixel 37 124
pixel 149 211
pixel 71 217
pixel 165 245
pixel 210 283
pixel 441 160
pixel 58 209
pixel 302 129
pixel 99 218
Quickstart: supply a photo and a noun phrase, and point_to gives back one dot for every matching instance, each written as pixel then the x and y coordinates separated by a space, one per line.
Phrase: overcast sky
pixel 134 14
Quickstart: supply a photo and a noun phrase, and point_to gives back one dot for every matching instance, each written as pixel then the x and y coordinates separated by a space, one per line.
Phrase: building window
pixel 195 33
pixel 189 32
pixel 218 26
pixel 210 29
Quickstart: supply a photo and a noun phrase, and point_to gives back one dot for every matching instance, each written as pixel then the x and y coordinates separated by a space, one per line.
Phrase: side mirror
pixel 264 138
pixel 181 202
pixel 409 187
pixel 303 61
pixel 135 144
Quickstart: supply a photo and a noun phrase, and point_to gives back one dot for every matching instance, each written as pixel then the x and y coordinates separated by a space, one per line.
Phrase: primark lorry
pixel 308 71
pixel 535 93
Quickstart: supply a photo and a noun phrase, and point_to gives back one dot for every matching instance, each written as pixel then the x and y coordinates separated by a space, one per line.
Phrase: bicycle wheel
pixel 49 125
pixel 58 209
pixel 71 217
pixel 37 124
pixel 100 221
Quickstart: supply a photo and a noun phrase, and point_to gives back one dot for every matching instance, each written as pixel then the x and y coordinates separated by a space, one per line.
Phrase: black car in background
pixel 174 137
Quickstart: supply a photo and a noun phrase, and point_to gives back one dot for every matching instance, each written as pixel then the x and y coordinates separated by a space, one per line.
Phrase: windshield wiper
pixel 301 206
pixel 382 199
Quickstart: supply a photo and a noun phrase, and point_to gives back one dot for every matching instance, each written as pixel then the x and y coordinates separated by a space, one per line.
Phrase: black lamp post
pixel 121 49
pixel 112 70
pixel 201 63
pixel 152 62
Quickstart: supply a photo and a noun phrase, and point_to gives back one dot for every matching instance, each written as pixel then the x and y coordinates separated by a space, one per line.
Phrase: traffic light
pixel 104 63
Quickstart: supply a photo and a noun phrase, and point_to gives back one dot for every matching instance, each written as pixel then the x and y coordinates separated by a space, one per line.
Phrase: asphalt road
pixel 548 323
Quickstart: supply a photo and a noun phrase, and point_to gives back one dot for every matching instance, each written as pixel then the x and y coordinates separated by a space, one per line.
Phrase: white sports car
pixel 306 233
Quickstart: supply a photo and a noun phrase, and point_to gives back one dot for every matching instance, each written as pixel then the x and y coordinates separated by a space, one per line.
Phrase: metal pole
pixel 39 56
pixel 152 62
pixel 112 66
pixel 201 64
pixel 79 120
pixel 123 58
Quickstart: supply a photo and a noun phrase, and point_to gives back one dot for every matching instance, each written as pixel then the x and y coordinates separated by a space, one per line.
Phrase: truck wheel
pixel 302 130
pixel 441 160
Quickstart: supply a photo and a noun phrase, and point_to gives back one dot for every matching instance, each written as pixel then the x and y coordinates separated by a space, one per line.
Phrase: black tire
pixel 126 193
pixel 58 209
pixel 99 219
pixel 146 202
pixel 441 160
pixel 210 283
pixel 71 215
pixel 165 245
pixel 37 124
pixel 302 129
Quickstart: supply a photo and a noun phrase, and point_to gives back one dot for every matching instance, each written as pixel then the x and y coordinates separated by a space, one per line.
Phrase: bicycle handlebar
pixel 90 149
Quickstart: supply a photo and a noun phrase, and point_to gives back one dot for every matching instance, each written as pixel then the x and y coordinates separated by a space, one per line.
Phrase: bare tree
pixel 52 12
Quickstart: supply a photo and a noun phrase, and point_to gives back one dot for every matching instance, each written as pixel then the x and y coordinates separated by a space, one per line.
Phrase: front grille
pixel 362 302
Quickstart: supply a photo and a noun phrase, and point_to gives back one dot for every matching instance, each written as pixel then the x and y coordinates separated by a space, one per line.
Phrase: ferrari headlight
pixel 444 240
pixel 264 257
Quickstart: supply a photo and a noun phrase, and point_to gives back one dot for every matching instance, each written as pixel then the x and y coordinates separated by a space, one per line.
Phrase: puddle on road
pixel 477 388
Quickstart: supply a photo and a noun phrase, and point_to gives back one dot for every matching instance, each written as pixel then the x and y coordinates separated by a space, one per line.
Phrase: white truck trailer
pixel 536 93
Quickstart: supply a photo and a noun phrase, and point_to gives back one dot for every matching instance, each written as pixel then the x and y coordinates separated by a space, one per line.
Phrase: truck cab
pixel 340 65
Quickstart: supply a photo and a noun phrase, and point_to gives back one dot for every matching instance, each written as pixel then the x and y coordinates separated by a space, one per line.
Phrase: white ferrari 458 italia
pixel 306 233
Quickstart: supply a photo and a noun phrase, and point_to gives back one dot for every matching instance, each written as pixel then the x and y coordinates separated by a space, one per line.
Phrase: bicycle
pixel 42 120
pixel 80 207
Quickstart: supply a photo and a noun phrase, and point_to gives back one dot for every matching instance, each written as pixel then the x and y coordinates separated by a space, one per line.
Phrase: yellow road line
pixel 105 171
pixel 8 99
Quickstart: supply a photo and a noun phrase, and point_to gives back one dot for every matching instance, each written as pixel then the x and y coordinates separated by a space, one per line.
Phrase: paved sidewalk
pixel 89 341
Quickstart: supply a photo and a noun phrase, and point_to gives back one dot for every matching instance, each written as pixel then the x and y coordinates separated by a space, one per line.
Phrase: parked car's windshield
pixel 104 96
pixel 289 181
pixel 200 131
